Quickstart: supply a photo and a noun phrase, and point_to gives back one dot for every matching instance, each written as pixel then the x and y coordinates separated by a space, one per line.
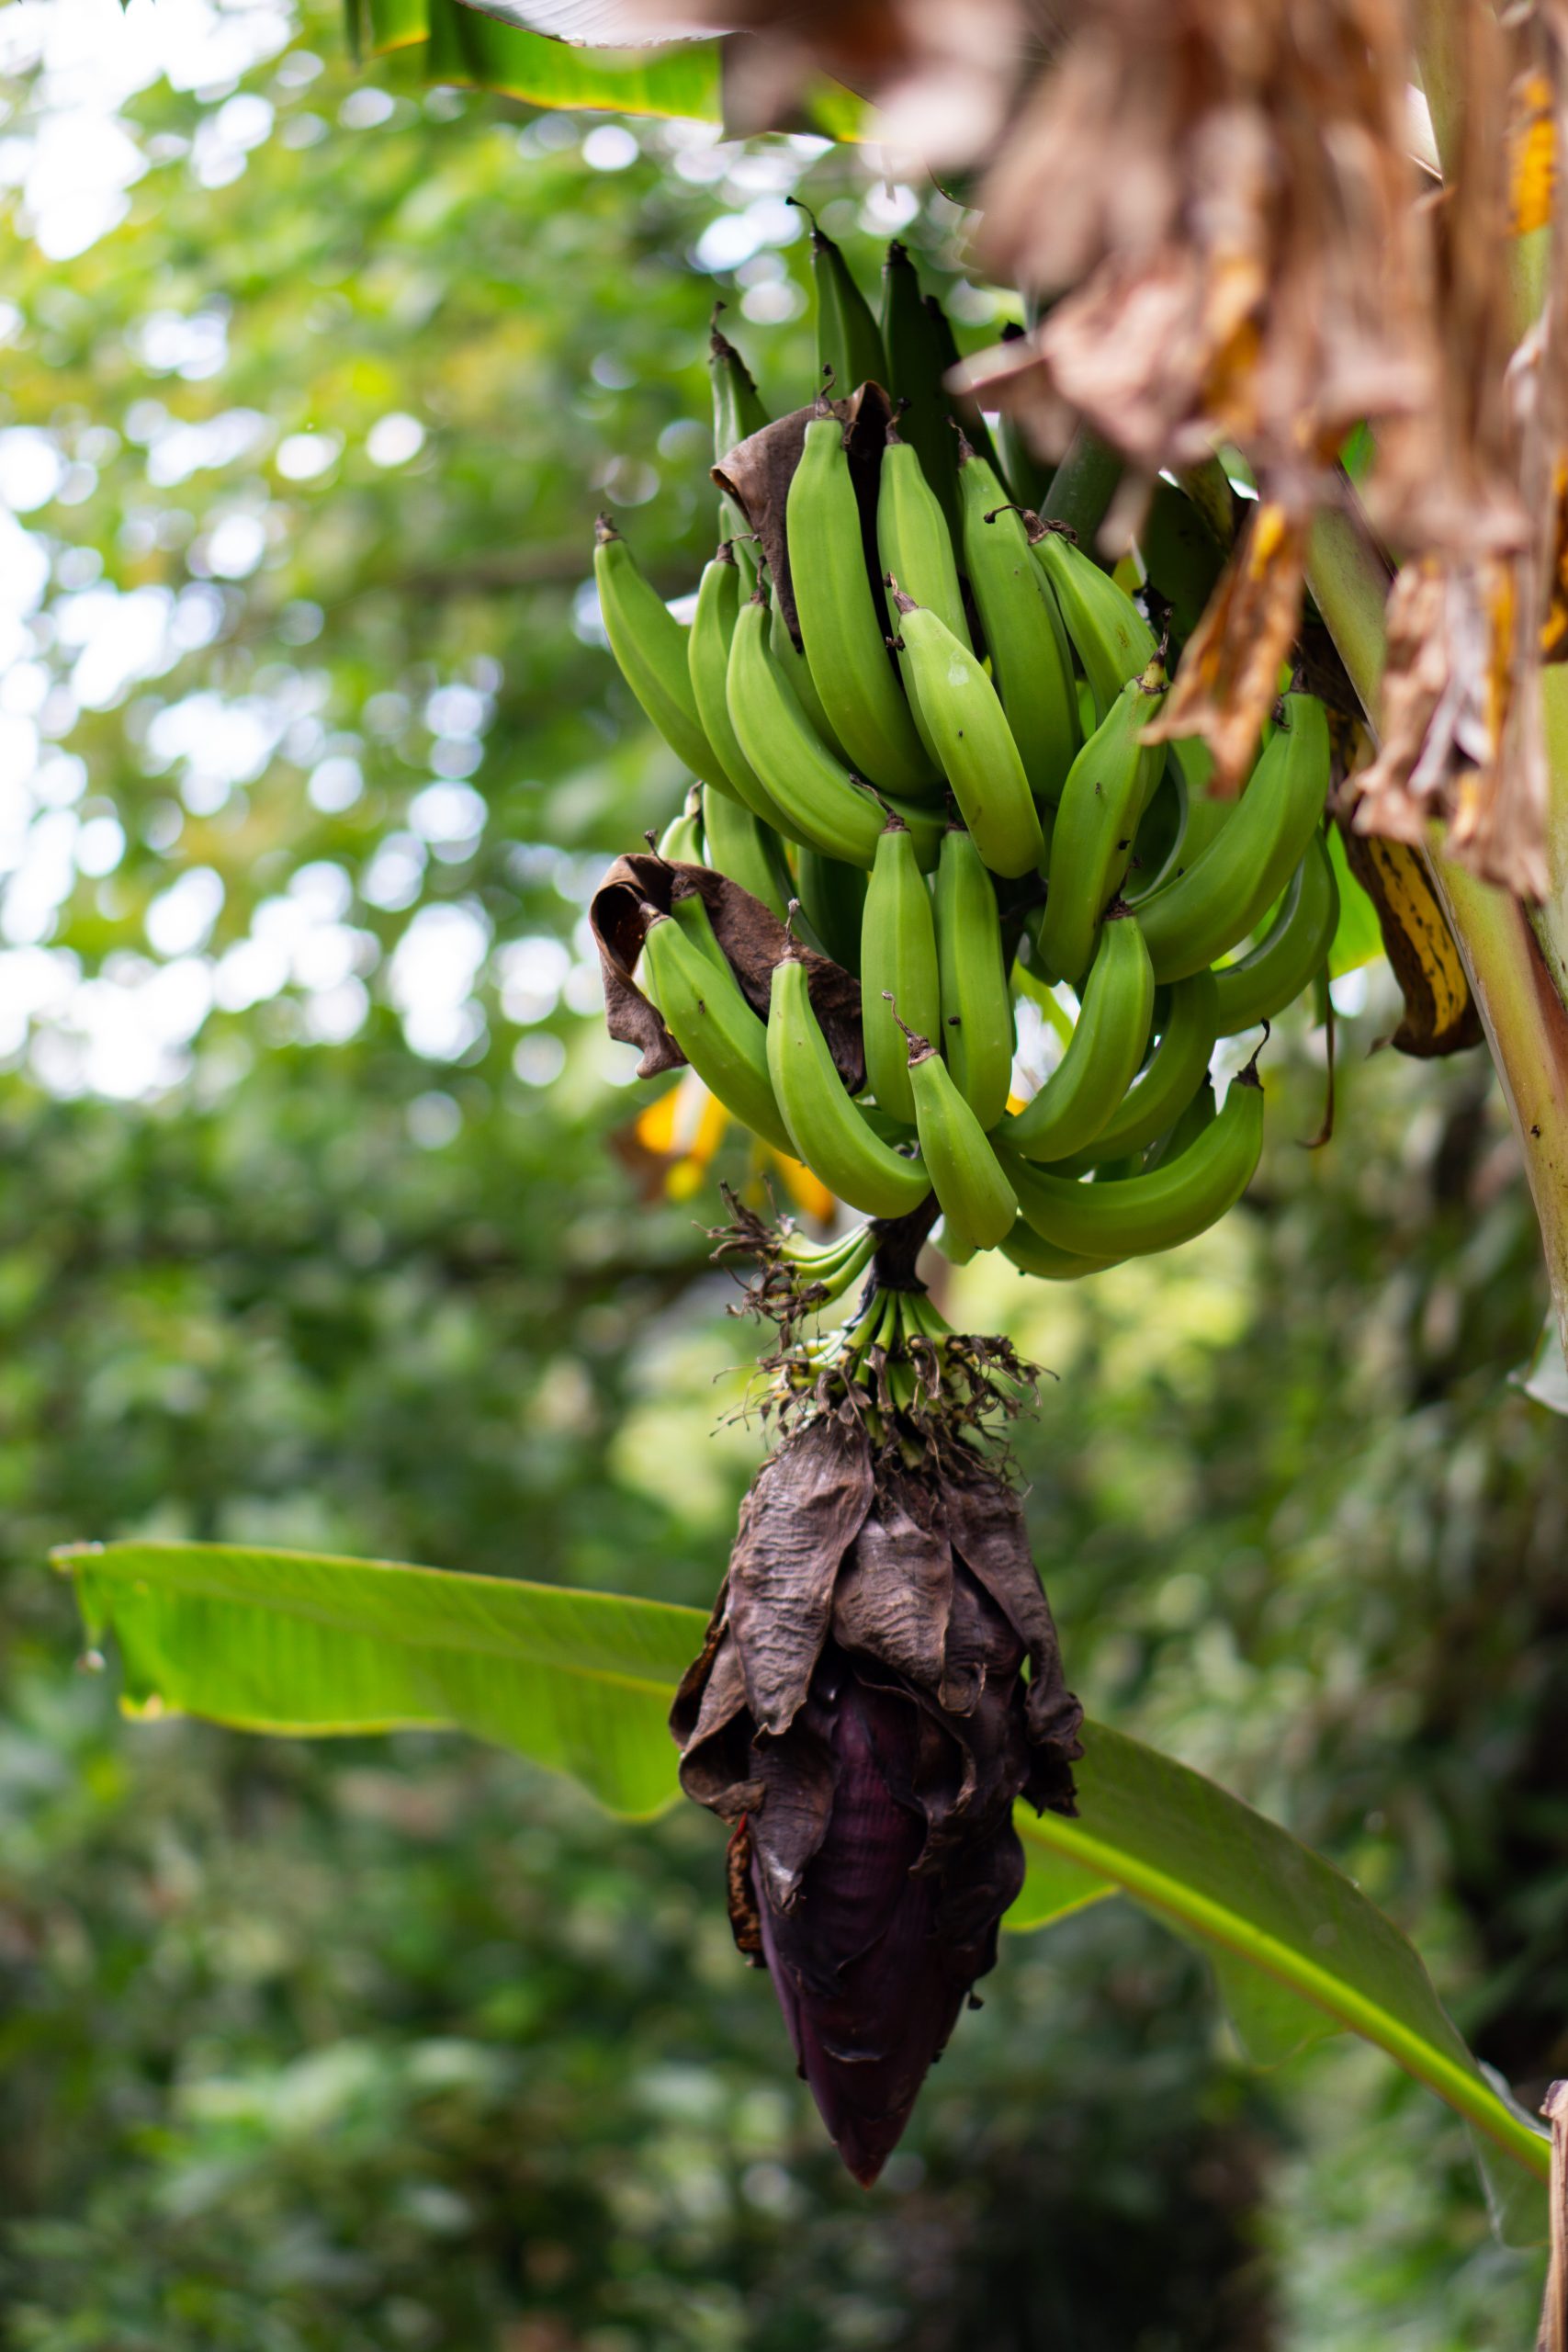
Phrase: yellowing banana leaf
pixel 463 45
pixel 301 1645
pixel 297 1643
pixel 1188 1851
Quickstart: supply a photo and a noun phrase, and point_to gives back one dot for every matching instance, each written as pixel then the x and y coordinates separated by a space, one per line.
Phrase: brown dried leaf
pixel 894 1596
pixel 796 1525
pixel 1229 674
pixel 1440 1015
pixel 753 939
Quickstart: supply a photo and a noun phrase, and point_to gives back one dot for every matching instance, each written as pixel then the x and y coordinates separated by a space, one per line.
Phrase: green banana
pixel 710 1020
pixel 650 646
pixel 1140 1214
pixel 848 342
pixel 1175 1071
pixel 822 806
pixel 1199 1113
pixel 689 909
pixel 842 623
pixel 797 670
pixel 738 412
pixel 1291 952
pixel 918 358
pixel 898 963
pixel 681 840
pixel 968 726
pixel 1198 816
pixel 1031 667
pixel 1223 894
pixel 1109 636
pixel 746 850
pixel 913 541
pixel 707 657
pixel 1028 477
pixel 1108 787
pixel 977 1202
pixel 1085 1088
pixel 977 1002
pixel 828 1134
pixel 1026 1251
pixel 833 896
pixel 962 406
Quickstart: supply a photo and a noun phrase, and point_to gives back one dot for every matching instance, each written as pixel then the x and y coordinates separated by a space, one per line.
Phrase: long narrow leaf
pixel 297 1644
pixel 466 45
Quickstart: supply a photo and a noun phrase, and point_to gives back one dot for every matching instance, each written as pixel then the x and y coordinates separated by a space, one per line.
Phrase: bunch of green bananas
pixel 945 787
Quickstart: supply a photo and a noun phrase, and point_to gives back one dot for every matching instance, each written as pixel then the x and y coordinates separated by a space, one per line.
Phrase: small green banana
pixel 833 896
pixel 749 852
pixel 1176 1070
pixel 1156 1211
pixel 968 728
pixel 842 622
pixel 918 358
pixel 898 963
pixel 848 342
pixel 977 1002
pixel 1087 1087
pixel 1108 787
pixel 797 670
pixel 1198 1114
pixel 738 412
pixel 1225 893
pixel 708 655
pixel 828 1134
pixel 681 840
pixel 1194 819
pixel 822 806
pixel 977 1202
pixel 1031 667
pixel 1109 636
pixel 650 646
pixel 710 1020
pixel 1291 952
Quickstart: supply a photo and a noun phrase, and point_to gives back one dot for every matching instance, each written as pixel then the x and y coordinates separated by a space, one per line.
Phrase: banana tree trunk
pixel 1517 959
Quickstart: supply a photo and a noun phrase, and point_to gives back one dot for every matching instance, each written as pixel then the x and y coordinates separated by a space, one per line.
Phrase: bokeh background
pixel 317 1227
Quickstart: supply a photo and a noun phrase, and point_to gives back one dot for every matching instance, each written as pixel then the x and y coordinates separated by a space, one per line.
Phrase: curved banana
pixel 1191 819
pixel 749 852
pixel 1199 1113
pixel 898 964
pixel 977 1202
pixel 707 660
pixel 1089 1083
pixel 826 1130
pixel 1031 668
pixel 913 541
pixel 1026 1251
pixel 797 670
pixel 710 1020
pixel 821 804
pixel 833 896
pixel 842 622
pixel 976 1002
pixel 1108 787
pixel 650 646
pixel 917 354
pixel 1291 952
pixel 1156 1100
pixel 1225 893
pixel 1109 636
pixel 969 731
pixel 1140 1214
pixel 849 342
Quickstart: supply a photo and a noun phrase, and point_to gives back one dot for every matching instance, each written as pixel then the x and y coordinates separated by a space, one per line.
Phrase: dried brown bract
pixel 1229 674
pixel 860 1714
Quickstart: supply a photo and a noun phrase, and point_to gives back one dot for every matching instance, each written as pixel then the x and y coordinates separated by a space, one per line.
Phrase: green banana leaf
pixel 297 1643
pixel 461 45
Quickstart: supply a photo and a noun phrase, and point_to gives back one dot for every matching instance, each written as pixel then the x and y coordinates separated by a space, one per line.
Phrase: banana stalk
pixel 1516 958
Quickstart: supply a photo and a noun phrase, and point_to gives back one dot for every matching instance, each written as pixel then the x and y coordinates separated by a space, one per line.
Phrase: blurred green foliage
pixel 310 1231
